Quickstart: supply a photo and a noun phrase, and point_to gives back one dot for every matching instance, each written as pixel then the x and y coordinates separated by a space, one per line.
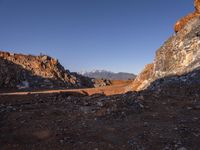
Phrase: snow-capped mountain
pixel 104 74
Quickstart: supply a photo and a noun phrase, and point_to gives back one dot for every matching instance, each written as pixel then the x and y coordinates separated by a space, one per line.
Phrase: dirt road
pixel 117 87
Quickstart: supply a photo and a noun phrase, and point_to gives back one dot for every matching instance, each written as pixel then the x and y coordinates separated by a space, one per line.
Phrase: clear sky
pixel 116 35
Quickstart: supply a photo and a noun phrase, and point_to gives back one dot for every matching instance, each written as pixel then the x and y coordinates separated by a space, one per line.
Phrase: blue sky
pixel 116 35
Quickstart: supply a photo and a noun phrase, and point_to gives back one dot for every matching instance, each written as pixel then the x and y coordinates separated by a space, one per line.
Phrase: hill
pixel 103 74
pixel 36 72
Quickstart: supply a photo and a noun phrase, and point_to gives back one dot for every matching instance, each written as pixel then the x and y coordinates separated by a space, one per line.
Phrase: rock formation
pixel 27 71
pixel 179 55
pixel 197 6
pixel 182 22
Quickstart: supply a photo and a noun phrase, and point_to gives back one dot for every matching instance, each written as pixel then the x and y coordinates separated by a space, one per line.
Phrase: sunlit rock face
pixel 24 71
pixel 183 21
pixel 41 66
pixel 28 71
pixel 180 54
pixel 197 6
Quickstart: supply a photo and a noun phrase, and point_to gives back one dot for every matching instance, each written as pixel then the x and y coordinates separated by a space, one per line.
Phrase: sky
pixel 114 35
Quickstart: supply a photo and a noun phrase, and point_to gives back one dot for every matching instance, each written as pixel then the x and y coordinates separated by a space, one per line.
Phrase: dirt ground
pixel 116 87
pixel 71 120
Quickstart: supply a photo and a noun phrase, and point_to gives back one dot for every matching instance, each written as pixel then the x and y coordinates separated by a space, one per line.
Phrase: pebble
pixel 61 141
pixel 182 148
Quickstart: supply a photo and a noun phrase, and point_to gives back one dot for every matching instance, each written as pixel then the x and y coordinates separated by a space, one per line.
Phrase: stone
pixel 141 97
pixel 100 104
pixel 44 58
pixel 182 148
pixel 87 109
pixel 61 141
pixel 196 105
pixel 23 85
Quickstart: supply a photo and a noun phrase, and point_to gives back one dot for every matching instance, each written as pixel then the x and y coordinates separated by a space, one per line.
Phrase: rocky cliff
pixel 179 55
pixel 27 71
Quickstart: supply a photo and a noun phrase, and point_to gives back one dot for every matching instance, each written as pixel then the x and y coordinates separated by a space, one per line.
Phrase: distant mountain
pixel 103 74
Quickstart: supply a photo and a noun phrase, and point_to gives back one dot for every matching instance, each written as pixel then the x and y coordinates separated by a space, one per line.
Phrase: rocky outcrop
pixel 141 79
pixel 183 21
pixel 43 67
pixel 197 6
pixel 179 55
pixel 27 71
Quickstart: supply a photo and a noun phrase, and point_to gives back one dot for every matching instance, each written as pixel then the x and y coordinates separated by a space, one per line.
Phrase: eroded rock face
pixel 179 55
pixel 24 71
pixel 183 21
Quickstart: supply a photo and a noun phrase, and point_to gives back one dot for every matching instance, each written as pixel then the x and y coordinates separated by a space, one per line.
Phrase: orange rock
pixel 197 6
pixel 143 77
pixel 183 21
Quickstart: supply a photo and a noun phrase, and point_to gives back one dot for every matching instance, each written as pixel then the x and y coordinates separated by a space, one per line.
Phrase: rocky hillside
pixel 179 55
pixel 103 74
pixel 27 71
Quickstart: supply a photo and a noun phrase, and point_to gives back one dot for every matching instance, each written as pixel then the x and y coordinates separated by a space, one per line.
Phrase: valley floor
pixel 139 121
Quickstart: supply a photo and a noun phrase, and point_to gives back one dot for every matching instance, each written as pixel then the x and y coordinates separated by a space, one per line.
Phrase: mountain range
pixel 104 74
